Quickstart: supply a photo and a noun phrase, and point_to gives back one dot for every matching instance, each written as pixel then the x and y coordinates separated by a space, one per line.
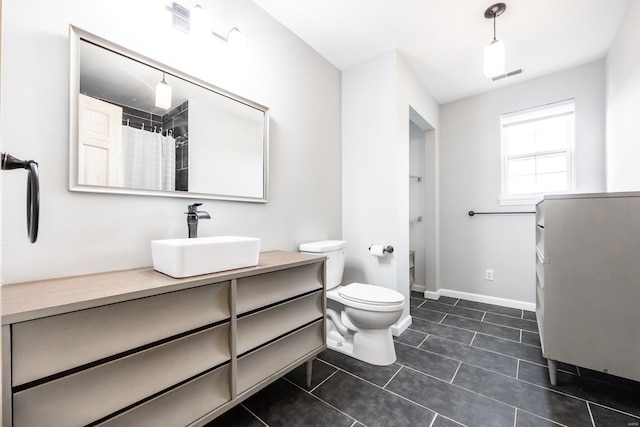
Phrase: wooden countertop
pixel 31 300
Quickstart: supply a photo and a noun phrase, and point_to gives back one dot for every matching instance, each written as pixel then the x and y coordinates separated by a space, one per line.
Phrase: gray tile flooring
pixel 461 363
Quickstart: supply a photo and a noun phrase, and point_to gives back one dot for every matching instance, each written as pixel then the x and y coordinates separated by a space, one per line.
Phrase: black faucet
pixel 193 215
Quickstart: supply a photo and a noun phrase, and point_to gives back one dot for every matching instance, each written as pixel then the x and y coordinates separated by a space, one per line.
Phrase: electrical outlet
pixel 488 274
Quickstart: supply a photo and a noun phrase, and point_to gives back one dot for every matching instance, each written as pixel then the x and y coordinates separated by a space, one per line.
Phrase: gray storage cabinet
pixel 588 281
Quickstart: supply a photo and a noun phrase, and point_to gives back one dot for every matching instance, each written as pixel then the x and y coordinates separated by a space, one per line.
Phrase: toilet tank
pixel 334 250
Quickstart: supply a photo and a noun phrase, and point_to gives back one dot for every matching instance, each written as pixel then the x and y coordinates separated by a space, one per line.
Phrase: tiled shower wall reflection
pixel 177 121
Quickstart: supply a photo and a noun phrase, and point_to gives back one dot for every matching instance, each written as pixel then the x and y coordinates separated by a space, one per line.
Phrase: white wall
pixel 376 100
pixel 417 202
pixel 623 101
pixel 1 203
pixel 225 154
pixel 369 157
pixel 85 233
pixel 470 180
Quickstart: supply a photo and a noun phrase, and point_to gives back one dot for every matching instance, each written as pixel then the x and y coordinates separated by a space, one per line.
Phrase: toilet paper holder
pixel 387 249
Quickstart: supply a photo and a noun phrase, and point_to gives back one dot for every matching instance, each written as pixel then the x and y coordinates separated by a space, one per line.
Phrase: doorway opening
pixel 422 205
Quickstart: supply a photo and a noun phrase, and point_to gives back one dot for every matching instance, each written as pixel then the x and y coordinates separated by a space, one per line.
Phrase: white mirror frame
pixel 75 36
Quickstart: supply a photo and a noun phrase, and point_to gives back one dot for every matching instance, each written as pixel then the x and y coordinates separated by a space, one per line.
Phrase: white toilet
pixel 359 315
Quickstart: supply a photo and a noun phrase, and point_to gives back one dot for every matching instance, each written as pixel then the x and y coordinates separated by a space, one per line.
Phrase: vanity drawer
pixel 261 364
pixel 92 394
pixel 54 344
pixel 182 406
pixel 265 289
pixel 263 326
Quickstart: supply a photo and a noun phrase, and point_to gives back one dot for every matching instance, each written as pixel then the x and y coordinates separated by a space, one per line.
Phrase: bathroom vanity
pixel 588 281
pixel 140 348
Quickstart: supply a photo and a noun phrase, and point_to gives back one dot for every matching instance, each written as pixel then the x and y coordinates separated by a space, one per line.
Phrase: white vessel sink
pixel 190 257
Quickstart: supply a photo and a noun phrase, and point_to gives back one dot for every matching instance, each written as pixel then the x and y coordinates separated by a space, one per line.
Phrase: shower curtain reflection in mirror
pixel 148 160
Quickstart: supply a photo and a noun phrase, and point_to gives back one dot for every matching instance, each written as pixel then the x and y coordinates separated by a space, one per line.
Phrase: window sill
pixel 529 201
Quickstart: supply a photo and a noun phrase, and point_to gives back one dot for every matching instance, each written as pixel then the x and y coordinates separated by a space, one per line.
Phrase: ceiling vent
pixel 180 17
pixel 509 74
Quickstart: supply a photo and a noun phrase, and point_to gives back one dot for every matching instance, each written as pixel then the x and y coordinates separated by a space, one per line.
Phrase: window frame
pixel 505 158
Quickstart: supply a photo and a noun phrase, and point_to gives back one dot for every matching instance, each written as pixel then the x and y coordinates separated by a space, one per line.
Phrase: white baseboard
pixel 504 302
pixel 418 288
pixel 401 325
pixel 432 295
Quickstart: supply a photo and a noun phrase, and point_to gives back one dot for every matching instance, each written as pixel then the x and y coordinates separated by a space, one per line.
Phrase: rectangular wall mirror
pixel 140 127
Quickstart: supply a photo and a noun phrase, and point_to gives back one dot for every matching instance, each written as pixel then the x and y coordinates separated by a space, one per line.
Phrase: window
pixel 537 147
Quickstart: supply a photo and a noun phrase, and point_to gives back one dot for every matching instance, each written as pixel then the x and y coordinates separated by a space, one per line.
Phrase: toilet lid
pixel 371 294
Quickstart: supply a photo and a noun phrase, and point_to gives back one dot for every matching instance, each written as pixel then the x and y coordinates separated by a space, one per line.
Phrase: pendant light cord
pixel 494 26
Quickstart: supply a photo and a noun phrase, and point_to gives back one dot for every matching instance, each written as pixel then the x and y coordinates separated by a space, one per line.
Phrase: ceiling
pixel 443 41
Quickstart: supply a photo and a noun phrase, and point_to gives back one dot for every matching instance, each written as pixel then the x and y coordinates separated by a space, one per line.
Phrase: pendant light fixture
pixel 494 53
pixel 163 94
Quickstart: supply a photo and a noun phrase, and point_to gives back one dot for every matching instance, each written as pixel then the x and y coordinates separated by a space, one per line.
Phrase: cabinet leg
pixel 553 371
pixel 309 366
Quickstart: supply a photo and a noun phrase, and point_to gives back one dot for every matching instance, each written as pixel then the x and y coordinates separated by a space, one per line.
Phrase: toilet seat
pixel 367 297
pixel 371 294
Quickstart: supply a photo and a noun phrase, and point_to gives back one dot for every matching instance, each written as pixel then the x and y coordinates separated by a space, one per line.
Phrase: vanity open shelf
pixel 140 348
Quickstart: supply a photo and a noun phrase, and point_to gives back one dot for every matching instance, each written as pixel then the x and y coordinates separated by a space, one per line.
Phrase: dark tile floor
pixel 460 363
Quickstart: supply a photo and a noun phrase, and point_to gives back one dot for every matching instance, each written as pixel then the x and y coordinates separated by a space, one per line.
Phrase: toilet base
pixel 374 346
